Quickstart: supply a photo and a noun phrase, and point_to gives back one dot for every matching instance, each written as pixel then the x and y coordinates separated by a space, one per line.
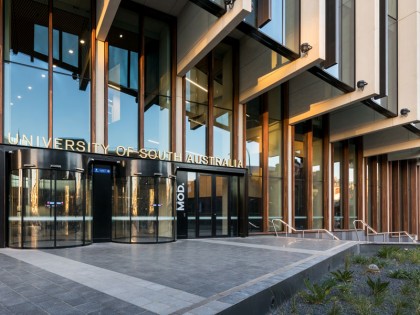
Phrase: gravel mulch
pixel 401 296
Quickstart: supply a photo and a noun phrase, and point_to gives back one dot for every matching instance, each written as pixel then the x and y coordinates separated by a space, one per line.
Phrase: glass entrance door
pixel 211 205
pixel 47 208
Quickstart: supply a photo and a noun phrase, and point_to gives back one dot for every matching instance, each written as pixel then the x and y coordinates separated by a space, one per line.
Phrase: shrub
pixel 343 276
pixel 318 293
pixel 377 286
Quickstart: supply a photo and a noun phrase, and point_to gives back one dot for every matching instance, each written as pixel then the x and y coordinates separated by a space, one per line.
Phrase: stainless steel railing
pixel 293 230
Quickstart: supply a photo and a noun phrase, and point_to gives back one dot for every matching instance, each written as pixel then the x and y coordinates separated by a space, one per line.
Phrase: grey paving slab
pixel 203 276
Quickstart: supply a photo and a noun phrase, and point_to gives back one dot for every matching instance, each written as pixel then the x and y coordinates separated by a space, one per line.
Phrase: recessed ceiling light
pixel 19 97
pixel 82 41
pixel 54 66
pixel 121 35
pixel 29 87
pixel 43 75
pixel 71 51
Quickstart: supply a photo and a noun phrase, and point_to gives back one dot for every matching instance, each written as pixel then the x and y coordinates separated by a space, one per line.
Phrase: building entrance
pixel 102 202
pixel 211 205
pixel 47 203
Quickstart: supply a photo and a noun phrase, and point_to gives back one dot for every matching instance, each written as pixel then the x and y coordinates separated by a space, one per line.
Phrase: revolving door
pixel 47 206
pixel 143 210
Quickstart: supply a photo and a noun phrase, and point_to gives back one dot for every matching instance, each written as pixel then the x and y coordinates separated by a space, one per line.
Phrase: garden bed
pixel 357 288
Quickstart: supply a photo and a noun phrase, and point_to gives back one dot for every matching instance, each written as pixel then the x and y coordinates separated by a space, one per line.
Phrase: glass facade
pixel 254 164
pixel 127 78
pixel 207 110
pixel 40 59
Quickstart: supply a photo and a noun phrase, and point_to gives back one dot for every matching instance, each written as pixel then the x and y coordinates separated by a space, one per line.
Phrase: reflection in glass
pixel 69 208
pixel 191 205
pixel 317 174
pixel 196 128
pixel 165 205
pixel 283 24
pixel 122 119
pixel 275 143
pixel 222 101
pixel 338 186
pixel 300 171
pixel 25 103
pixel 123 80
pixel 343 70
pixel 205 215
pixel 254 165
pixel 353 181
pixel 71 107
pixel 52 205
pixel 196 108
pixel 15 211
pixel 143 210
pixel 157 58
pixel 157 123
pixel 222 206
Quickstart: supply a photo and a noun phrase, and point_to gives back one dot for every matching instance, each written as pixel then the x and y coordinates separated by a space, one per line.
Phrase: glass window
pixel 196 107
pixel 25 70
pixel 123 80
pixel 342 67
pixel 275 156
pixel 338 186
pixel 300 161
pixel 281 23
pixel 317 174
pixel 254 165
pixel 157 107
pixel 223 101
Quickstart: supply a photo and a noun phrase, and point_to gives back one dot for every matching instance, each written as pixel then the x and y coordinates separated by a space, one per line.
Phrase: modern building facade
pixel 149 121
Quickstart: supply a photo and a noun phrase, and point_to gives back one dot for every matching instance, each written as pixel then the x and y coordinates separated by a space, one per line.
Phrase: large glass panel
pixel 300 156
pixel 157 123
pixel 69 208
pixel 222 101
pixel 353 182
pixel 254 165
pixel 283 23
pixel 157 43
pixel 25 104
pixel 255 217
pixel 205 206
pixel 191 205
pixel 196 107
pixel 123 80
pixel 143 215
pixel 39 204
pixel 166 209
pixel 317 174
pixel 121 210
pixel 275 164
pixel 222 205
pixel 26 32
pixel 15 209
pixel 338 186
pixel 343 70
pixel 234 195
pixel 71 78
pixel 157 107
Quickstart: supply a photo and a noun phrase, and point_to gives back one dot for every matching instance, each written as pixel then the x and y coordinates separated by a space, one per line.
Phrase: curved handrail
pixel 369 228
pixel 288 226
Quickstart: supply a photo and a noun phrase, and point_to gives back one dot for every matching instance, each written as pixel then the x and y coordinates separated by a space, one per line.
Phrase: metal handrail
pixel 369 228
pixel 288 226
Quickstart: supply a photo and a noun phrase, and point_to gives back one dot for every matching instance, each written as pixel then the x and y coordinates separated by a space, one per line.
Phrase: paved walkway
pixel 202 276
